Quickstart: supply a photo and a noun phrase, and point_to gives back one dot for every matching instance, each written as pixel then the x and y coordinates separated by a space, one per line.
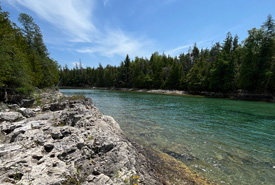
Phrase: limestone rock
pixel 14 107
pixel 70 141
pixel 26 112
pixel 46 107
pixel 58 106
pixel 37 109
pixel 10 116
pixel 27 102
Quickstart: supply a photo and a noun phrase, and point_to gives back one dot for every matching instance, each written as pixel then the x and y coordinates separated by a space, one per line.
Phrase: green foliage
pixel 77 97
pixel 25 89
pixel 24 60
pixel 225 67
pixel 91 138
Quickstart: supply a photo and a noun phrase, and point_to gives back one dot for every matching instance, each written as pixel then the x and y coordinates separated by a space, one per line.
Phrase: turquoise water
pixel 228 141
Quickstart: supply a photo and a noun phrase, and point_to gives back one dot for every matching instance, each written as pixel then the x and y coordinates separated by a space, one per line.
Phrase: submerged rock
pixel 182 157
pixel 70 143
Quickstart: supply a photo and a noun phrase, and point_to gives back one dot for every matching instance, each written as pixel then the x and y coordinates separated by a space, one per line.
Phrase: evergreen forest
pixel 225 67
pixel 249 65
pixel 24 59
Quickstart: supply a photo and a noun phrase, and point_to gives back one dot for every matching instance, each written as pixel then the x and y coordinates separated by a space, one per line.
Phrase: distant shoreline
pixel 239 95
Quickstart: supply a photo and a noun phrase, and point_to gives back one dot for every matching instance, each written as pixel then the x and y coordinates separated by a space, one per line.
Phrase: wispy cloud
pixel 234 28
pixel 180 49
pixel 70 16
pixel 116 42
pixel 76 19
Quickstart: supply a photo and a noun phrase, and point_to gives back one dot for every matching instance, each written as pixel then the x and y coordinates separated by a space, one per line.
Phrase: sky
pixel 105 31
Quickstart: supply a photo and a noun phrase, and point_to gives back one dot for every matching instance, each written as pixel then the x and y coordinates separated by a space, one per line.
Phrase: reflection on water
pixel 231 142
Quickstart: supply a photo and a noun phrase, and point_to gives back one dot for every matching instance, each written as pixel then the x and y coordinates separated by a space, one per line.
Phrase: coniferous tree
pixel 224 67
pixel 24 59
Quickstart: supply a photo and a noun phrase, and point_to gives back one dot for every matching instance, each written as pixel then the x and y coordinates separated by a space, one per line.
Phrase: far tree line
pixel 225 67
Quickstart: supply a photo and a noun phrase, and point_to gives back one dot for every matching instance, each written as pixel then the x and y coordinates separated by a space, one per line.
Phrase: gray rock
pixel 73 143
pixel 29 125
pixel 3 106
pixel 56 134
pixel 66 131
pixel 15 136
pixel 37 109
pixel 14 107
pixel 21 129
pixel 27 102
pixel 46 107
pixel 100 179
pixel 26 112
pixel 10 116
pixel 8 148
pixel 58 106
pixel 70 117
pixel 8 127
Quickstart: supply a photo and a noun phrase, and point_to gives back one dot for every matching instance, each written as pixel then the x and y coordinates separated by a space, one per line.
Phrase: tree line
pixel 24 59
pixel 225 67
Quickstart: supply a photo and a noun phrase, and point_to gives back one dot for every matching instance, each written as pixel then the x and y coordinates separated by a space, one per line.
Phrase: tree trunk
pixel 5 95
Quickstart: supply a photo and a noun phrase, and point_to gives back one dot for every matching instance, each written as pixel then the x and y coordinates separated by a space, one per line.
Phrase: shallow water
pixel 228 141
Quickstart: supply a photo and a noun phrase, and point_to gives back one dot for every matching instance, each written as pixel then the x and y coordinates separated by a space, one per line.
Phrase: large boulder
pixel 10 116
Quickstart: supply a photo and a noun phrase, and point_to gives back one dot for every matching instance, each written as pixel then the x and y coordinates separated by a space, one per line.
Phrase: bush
pixel 25 90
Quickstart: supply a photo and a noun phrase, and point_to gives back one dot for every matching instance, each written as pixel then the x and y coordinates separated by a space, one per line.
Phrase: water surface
pixel 228 141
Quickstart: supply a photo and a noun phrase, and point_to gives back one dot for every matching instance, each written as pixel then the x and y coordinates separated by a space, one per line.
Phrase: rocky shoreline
pixel 238 95
pixel 66 140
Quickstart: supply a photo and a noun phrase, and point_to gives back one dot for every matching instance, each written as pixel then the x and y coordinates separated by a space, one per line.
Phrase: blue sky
pixel 104 31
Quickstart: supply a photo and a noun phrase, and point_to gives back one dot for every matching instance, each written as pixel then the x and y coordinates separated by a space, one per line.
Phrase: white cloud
pixel 11 2
pixel 116 42
pixel 76 19
pixel 73 17
pixel 180 49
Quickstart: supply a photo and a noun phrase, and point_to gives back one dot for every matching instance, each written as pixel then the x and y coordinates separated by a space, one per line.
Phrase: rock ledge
pixel 68 142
